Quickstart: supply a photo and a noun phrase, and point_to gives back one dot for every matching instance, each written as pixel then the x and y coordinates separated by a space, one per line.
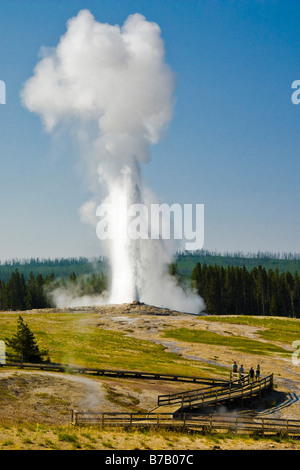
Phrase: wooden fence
pixel 240 388
pixel 214 422
pixel 117 373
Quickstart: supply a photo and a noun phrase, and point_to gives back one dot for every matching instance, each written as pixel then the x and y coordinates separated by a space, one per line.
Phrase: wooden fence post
pixel 74 417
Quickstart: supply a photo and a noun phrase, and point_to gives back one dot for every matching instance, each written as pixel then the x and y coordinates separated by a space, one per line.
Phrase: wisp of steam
pixel 111 88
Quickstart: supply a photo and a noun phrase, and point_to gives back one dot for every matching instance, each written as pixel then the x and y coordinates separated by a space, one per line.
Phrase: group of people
pixel 241 371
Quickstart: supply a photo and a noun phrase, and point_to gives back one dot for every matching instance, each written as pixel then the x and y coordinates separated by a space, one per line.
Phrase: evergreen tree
pixel 297 295
pixel 24 344
pixel 173 270
pixel 235 290
pixel 2 295
pixel 15 291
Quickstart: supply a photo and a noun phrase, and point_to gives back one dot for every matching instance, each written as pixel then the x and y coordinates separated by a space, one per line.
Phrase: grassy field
pixel 237 343
pixel 275 329
pixel 81 338
pixel 75 338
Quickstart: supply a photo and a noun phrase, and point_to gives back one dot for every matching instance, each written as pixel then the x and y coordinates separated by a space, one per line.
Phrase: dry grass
pixel 42 437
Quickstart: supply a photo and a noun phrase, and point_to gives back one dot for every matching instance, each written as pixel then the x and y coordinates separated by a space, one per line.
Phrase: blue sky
pixel 232 145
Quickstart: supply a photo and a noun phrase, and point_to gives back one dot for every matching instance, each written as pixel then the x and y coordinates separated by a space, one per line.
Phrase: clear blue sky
pixel 232 145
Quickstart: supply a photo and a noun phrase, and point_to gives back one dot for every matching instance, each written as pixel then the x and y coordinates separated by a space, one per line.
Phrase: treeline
pixel 283 262
pixel 236 290
pixel 59 267
pixel 240 254
pixel 19 293
pixel 225 289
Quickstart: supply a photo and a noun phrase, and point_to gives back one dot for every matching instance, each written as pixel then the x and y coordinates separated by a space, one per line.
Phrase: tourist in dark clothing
pixel 241 371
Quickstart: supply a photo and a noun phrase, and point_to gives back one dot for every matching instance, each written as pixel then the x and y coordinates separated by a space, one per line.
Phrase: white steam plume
pixel 112 87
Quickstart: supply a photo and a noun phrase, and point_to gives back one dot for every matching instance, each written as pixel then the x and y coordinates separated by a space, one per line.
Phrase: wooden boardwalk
pixel 129 374
pixel 231 422
pixel 237 389
pixel 184 407
pixel 184 411
pixel 218 390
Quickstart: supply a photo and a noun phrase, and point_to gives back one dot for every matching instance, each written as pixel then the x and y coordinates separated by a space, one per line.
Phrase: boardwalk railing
pixel 240 388
pixel 229 422
pixel 195 395
pixel 117 373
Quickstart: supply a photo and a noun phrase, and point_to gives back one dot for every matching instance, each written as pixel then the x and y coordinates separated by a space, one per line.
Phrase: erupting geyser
pixel 112 87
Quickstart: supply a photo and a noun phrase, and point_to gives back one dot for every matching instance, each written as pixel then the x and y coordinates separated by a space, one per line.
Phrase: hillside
pixel 60 267
pixel 63 267
pixel 141 337
pixel 187 261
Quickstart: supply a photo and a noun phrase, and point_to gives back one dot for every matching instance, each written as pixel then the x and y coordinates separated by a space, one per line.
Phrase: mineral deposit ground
pixel 32 401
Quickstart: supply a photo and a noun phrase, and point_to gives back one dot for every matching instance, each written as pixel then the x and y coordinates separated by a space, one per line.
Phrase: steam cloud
pixel 110 86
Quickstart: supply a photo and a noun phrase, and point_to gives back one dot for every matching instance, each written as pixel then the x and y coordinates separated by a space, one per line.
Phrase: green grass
pixel 233 342
pixel 75 338
pixel 67 437
pixel 274 329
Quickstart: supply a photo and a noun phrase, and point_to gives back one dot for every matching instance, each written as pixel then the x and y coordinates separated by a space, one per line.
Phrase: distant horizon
pixel 203 252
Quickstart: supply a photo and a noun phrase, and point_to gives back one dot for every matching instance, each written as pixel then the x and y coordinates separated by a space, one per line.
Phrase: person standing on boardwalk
pixel 251 373
pixel 257 374
pixel 241 371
